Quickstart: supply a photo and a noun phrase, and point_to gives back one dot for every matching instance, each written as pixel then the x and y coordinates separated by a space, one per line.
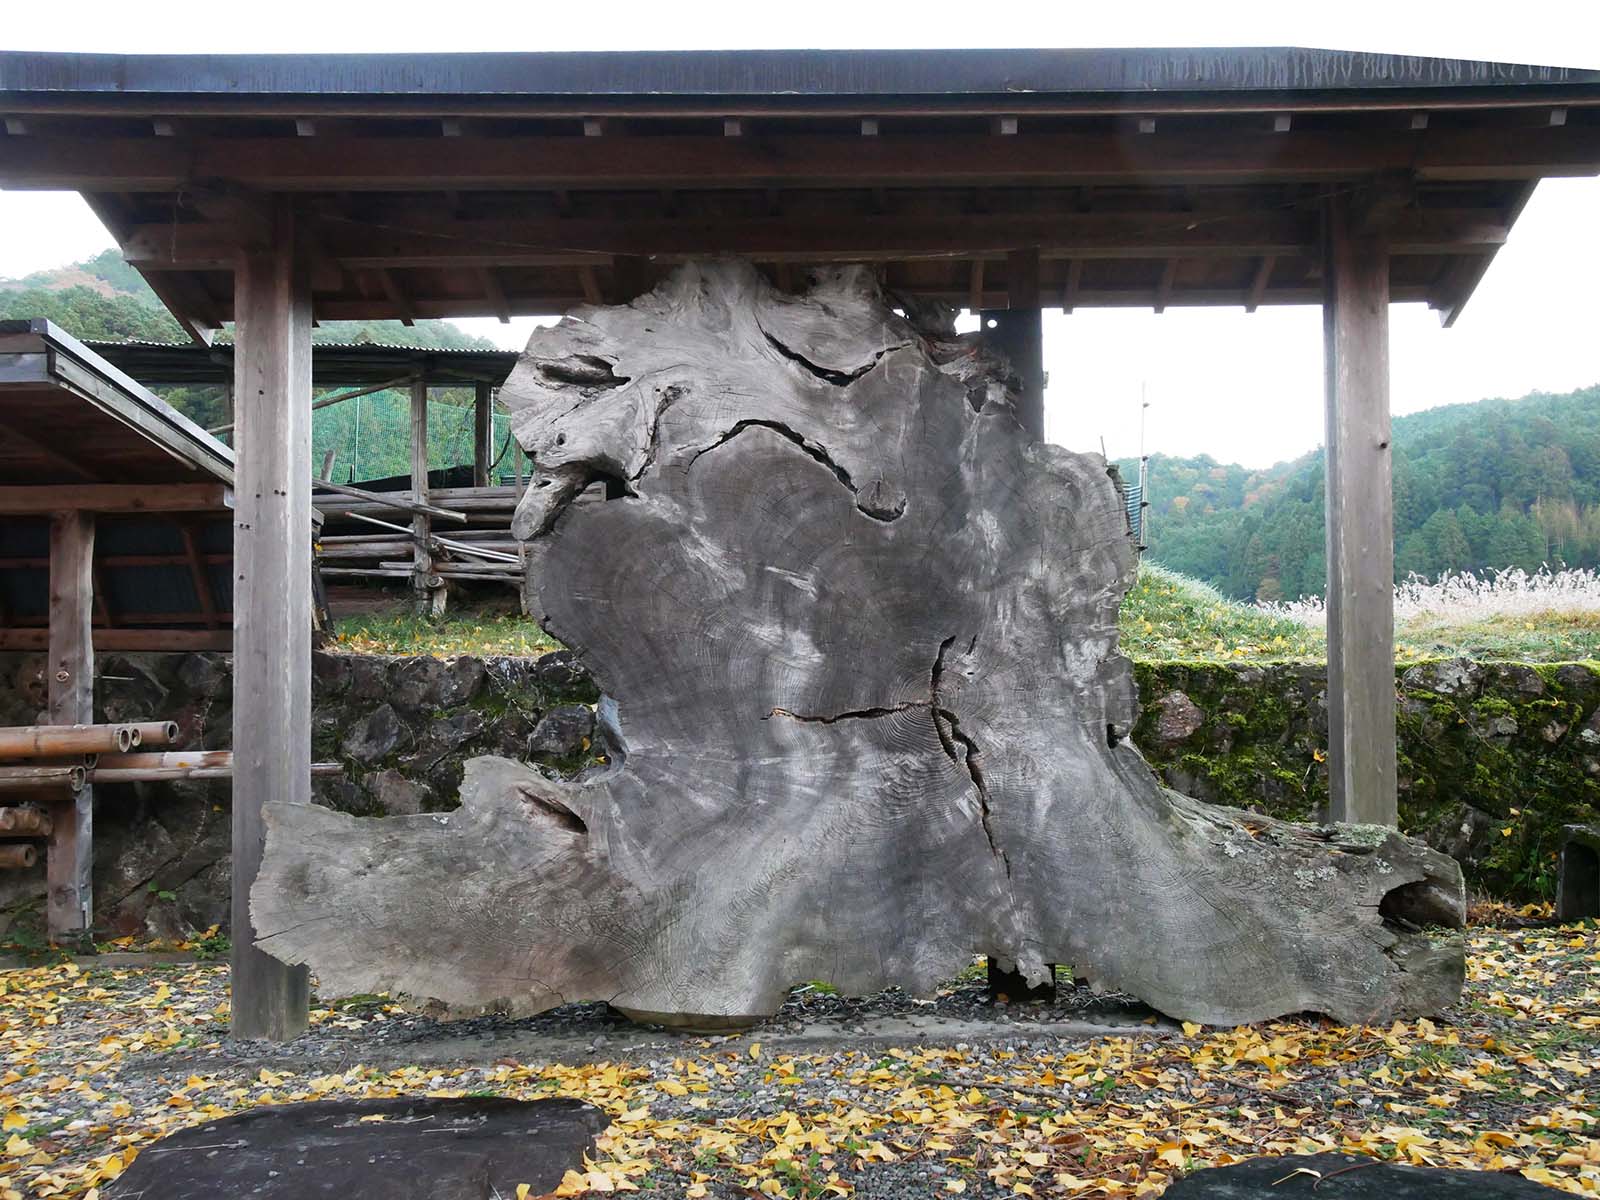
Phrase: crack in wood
pixel 828 374
pixel 877 512
pixel 948 725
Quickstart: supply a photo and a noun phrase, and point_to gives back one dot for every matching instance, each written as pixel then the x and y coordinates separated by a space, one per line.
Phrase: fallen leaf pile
pixel 101 1062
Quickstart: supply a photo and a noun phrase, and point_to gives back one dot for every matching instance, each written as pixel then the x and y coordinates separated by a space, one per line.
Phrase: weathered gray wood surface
pixel 69 864
pixel 272 603
pixel 866 710
pixel 1360 521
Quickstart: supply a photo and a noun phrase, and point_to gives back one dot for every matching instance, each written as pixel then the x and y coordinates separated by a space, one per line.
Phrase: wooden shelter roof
pixel 78 434
pixel 332 363
pixel 69 419
pixel 451 184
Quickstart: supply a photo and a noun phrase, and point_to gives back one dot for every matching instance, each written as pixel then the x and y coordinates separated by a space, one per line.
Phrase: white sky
pixel 1241 388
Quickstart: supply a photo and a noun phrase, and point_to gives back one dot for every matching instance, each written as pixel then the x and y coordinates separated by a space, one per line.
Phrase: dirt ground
pixel 878 1097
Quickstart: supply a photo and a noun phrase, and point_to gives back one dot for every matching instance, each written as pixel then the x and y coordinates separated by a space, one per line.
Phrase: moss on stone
pixel 1523 761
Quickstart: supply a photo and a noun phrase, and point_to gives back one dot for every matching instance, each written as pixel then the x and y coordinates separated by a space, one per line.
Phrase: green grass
pixel 467 633
pixel 1167 617
pixel 1523 637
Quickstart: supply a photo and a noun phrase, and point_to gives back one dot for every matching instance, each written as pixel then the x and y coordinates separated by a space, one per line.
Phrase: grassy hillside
pixel 1167 616
pixel 1498 483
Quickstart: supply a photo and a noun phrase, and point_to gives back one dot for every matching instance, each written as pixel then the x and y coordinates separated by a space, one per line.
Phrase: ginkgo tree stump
pixel 857 635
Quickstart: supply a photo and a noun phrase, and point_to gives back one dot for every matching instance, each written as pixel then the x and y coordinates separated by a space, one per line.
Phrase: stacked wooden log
pixel 41 765
pixel 364 538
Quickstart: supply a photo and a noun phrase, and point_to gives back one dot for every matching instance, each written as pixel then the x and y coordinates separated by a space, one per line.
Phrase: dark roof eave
pixel 794 74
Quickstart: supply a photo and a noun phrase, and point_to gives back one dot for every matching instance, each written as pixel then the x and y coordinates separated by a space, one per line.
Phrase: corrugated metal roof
pixel 331 362
pixel 53 377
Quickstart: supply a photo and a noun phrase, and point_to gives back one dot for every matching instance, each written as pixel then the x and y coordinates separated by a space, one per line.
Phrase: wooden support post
pixel 482 434
pixel 1018 331
pixel 70 861
pixel 1360 522
pixel 430 596
pixel 272 601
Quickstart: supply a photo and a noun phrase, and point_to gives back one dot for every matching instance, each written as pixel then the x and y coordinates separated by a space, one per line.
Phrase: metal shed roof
pixel 77 433
pixel 72 418
pixel 331 362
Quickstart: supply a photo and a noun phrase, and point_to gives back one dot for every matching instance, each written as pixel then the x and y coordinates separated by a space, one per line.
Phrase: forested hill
pixel 1497 483
pixel 103 297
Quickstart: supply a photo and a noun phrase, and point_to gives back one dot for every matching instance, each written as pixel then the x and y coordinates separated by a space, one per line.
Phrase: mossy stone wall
pixel 1493 757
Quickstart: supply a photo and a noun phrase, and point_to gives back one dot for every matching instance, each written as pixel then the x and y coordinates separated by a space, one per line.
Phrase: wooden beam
pixel 149 164
pixel 1258 284
pixel 432 238
pixel 1169 277
pixel 126 639
pixel 198 321
pixel 272 603
pixel 494 293
pixel 1021 334
pixel 397 297
pixel 1069 294
pixel 590 284
pixel 199 577
pixel 18 500
pixel 975 286
pixel 404 501
pixel 482 433
pixel 1360 523
pixel 69 904
pixel 429 598
pixel 1462 278
pixel 22 439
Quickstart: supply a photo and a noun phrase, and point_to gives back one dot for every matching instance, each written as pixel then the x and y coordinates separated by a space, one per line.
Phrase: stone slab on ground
pixel 418 1149
pixel 1349 1177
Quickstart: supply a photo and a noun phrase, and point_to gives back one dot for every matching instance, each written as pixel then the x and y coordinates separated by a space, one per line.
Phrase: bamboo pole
pixel 170 774
pixel 24 822
pixel 17 856
pixel 41 741
pixel 154 733
pixel 166 758
pixel 27 779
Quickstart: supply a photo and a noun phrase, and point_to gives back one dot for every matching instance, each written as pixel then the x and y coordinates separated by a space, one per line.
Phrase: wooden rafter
pixel 591 285
pixel 198 575
pixel 397 296
pixel 494 293
pixel 1258 284
pixel 20 437
pixel 197 319
pixel 1169 277
pixel 1069 294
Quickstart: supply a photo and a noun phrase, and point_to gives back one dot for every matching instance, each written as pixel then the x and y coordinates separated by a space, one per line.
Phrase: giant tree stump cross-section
pixel 857 634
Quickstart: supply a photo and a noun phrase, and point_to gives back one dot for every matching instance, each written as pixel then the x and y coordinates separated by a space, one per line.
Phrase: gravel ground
pixel 886 1096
